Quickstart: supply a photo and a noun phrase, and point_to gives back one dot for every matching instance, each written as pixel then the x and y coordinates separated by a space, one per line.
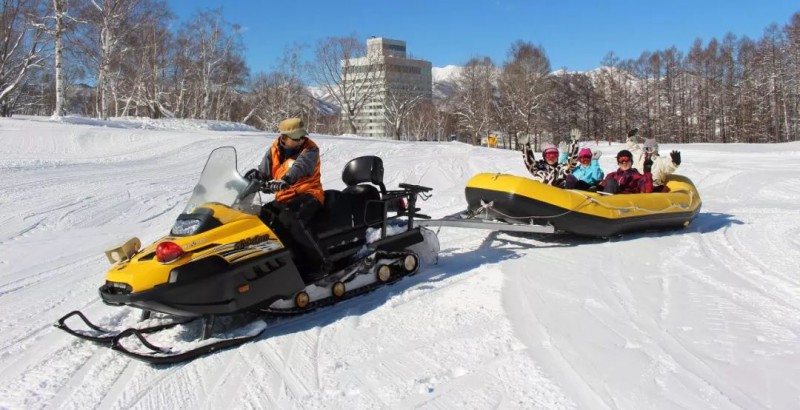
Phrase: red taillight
pixel 167 252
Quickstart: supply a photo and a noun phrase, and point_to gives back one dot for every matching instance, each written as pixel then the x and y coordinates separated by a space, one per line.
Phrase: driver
pixel 292 168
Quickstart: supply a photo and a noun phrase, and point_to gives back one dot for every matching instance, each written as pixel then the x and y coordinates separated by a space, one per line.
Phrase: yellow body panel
pixel 144 271
pixel 683 196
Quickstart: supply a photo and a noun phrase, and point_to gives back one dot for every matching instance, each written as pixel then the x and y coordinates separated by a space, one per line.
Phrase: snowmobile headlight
pixel 117 288
pixel 184 227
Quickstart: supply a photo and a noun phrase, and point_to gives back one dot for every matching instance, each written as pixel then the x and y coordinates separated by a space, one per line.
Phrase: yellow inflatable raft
pixel 520 200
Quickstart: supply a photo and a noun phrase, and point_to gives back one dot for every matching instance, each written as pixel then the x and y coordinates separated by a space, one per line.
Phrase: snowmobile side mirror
pixel 124 252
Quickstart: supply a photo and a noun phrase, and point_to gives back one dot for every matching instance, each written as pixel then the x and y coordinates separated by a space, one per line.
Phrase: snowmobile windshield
pixel 220 181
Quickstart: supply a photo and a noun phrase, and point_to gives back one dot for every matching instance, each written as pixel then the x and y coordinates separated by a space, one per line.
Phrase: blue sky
pixel 575 34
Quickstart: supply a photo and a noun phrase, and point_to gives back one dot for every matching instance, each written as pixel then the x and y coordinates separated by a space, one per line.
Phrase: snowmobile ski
pixel 386 269
pixel 101 335
pixel 153 354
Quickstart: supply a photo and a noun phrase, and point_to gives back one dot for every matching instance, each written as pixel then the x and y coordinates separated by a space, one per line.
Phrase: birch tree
pixel 22 49
pixel 210 65
pixel 59 9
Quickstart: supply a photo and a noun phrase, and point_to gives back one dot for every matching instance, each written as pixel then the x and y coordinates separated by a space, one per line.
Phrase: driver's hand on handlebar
pixel 275 185
pixel 253 174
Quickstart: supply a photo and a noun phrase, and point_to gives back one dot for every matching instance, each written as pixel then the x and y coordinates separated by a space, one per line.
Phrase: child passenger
pixel 662 167
pixel 626 179
pixel 588 173
pixel 547 170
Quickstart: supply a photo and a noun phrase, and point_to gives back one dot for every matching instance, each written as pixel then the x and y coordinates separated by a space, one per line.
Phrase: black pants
pixel 575 183
pixel 612 186
pixel 290 222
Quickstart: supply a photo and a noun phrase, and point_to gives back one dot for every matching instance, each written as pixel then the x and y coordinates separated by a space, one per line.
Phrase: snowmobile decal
pixel 250 241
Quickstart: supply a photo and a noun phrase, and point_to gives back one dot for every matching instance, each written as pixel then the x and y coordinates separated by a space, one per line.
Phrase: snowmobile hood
pixel 237 237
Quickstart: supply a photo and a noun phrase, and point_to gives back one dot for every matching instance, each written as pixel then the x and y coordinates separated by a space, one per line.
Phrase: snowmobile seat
pixel 365 200
pixel 335 216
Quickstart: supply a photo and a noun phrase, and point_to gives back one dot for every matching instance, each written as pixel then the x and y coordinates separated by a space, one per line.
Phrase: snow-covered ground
pixel 706 317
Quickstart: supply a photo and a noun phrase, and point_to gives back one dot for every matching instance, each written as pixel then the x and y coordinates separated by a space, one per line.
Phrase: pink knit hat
pixel 584 152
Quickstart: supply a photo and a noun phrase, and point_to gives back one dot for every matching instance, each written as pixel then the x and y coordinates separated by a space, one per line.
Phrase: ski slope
pixel 706 317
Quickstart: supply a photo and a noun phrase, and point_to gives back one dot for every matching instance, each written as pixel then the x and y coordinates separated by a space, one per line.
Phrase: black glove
pixel 252 174
pixel 633 132
pixel 676 157
pixel 648 165
pixel 276 185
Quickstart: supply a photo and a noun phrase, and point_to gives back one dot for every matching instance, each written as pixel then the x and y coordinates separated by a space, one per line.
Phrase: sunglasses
pixel 585 157
pixel 551 155
pixel 623 161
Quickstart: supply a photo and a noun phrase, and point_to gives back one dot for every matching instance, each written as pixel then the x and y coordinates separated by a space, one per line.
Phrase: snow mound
pixel 173 124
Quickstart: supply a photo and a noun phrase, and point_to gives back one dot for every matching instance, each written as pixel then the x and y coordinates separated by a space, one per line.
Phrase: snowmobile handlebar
pixel 253 186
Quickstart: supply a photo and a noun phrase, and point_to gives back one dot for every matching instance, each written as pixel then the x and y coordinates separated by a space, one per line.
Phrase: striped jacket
pixel 543 172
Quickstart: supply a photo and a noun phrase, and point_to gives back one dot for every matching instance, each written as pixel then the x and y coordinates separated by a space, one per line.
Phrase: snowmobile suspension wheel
pixel 301 300
pixel 383 273
pixel 338 289
pixel 410 263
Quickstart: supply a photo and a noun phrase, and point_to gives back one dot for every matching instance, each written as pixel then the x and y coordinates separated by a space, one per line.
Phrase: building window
pixel 394 47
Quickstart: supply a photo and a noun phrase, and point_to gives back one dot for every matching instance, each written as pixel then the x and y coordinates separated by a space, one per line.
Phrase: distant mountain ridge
pixel 444 84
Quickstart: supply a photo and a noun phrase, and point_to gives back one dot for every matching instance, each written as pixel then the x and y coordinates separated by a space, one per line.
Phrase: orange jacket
pixel 301 181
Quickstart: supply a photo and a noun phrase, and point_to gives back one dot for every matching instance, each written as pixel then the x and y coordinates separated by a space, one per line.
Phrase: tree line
pixel 138 63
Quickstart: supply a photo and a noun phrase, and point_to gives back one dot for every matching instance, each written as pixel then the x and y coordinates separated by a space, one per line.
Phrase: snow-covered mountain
pixel 446 74
pixel 325 102
pixel 704 317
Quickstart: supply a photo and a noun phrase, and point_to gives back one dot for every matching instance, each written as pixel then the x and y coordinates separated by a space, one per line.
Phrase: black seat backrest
pixel 364 199
pixel 368 168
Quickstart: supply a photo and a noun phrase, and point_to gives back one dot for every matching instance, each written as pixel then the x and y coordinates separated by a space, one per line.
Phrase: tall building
pixel 392 79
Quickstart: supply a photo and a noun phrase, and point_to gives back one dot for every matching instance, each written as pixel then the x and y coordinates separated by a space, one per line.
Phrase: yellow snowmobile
pixel 221 259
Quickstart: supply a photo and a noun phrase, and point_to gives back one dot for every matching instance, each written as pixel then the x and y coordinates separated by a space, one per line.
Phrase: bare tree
pixel 421 121
pixel 105 39
pixel 344 68
pixel 59 8
pixel 279 94
pixel 209 66
pixel 524 85
pixel 22 48
pixel 792 50
pixel 109 22
pixel 145 83
pixel 398 105
pixel 475 98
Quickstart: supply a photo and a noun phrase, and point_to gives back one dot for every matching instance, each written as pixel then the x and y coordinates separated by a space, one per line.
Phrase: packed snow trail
pixel 706 317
